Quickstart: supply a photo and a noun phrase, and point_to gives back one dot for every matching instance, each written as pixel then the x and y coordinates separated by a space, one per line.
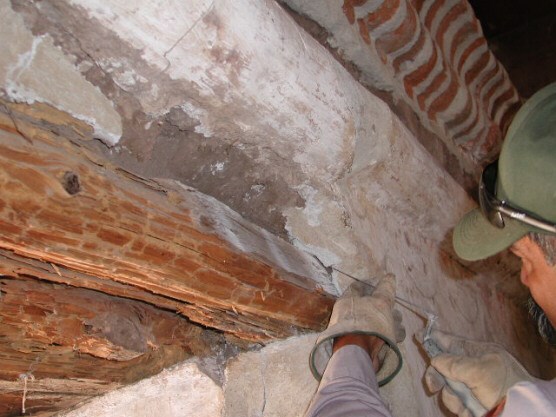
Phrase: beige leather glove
pixel 364 311
pixel 486 369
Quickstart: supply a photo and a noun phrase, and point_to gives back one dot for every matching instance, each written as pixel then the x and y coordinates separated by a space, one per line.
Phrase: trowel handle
pixel 467 398
pixel 459 388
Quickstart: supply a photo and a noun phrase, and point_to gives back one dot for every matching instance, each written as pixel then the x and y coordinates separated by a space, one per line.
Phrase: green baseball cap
pixel 526 180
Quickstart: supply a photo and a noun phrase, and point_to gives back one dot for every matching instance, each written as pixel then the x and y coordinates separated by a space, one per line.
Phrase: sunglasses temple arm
pixel 525 218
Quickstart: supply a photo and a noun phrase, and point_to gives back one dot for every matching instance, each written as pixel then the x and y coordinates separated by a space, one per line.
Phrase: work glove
pixel 485 370
pixel 364 311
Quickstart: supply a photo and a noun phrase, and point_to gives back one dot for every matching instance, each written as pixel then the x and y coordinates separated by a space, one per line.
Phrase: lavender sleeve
pixel 348 387
pixel 531 399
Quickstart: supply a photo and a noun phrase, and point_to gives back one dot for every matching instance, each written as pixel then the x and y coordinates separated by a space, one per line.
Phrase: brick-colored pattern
pixel 443 67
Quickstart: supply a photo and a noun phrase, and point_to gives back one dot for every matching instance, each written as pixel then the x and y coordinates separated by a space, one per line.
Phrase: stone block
pixel 183 391
pixel 273 382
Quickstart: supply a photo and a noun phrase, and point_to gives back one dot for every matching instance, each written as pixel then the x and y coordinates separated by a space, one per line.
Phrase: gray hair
pixel 548 245
pixel 544 326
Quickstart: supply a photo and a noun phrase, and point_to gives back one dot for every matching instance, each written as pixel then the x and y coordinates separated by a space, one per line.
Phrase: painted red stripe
pixel 470 127
pixel 411 53
pixel 474 45
pixel 447 20
pixel 477 67
pixel 431 88
pixel 364 31
pixel 416 77
pixel 508 116
pixel 485 78
pixel 456 121
pixel 383 14
pixel 467 30
pixel 442 102
pixel 348 8
pixel 501 100
pixel 432 13
pixel 398 38
pixel 496 87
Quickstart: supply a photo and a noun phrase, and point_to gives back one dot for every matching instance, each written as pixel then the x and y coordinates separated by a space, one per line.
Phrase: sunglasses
pixel 495 210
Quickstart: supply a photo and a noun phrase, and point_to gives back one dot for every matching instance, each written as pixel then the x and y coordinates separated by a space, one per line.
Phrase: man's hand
pixel 487 369
pixel 362 315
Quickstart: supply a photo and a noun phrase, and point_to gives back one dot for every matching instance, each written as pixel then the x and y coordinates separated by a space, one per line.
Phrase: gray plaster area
pixel 236 100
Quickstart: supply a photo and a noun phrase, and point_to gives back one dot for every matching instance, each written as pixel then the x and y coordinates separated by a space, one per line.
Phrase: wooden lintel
pixel 67 207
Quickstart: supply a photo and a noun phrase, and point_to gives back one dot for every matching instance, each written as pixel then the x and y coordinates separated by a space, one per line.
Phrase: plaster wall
pixel 369 198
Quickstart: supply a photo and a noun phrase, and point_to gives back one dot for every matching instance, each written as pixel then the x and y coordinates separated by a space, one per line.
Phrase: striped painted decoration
pixel 444 69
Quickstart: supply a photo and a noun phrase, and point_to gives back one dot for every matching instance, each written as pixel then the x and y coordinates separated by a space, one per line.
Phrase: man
pixel 517 211
pixel 517 196
pixel 518 204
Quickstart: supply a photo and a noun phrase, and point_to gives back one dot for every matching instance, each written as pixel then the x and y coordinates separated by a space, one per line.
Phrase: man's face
pixel 540 278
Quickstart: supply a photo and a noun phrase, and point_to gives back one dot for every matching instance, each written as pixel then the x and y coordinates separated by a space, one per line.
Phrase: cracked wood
pixel 75 343
pixel 64 205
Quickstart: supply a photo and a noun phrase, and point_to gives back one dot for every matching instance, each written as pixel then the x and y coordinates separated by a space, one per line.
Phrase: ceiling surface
pixel 522 34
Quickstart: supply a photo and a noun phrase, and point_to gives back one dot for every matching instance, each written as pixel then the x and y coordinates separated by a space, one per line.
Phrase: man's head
pixel 518 200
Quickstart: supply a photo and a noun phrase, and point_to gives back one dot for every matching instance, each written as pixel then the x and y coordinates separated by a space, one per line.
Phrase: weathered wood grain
pixel 64 205
pixel 74 343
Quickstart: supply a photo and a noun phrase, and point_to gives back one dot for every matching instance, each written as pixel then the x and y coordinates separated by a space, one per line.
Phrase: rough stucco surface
pixel 272 382
pixel 182 391
pixel 235 99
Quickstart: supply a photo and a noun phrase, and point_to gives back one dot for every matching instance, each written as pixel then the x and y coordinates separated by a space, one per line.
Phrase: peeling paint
pixel 313 208
pixel 201 116
pixel 217 167
pixel 122 73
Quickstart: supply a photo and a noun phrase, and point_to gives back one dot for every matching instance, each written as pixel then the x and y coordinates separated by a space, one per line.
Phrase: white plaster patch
pixel 325 256
pixel 255 191
pixel 23 62
pixel 154 91
pixel 249 65
pixel 182 391
pixel 153 26
pixel 33 69
pixel 322 227
pixel 122 72
pixel 217 167
pixel 313 207
pixel 201 116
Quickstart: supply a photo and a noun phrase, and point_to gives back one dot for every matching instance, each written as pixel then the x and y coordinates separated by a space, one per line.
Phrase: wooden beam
pixel 64 205
pixel 73 343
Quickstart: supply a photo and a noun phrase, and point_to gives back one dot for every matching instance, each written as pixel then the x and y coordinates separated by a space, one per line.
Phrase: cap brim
pixel 475 238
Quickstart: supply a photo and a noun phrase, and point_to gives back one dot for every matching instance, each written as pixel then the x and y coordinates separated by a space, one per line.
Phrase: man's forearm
pixel 348 387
